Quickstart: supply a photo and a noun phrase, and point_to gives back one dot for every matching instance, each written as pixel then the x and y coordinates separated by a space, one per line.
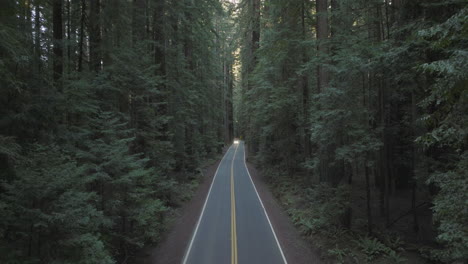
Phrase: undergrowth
pixel 318 214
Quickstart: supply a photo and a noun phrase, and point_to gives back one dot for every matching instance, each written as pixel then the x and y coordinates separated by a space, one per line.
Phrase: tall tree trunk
pixel 384 152
pixel 95 35
pixel 69 60
pixel 368 199
pixel 254 46
pixel 57 43
pixel 27 22
pixel 322 30
pixel 255 30
pixel 160 58
pixel 322 36
pixel 138 100
pixel 159 38
pixel 305 90
pixel 82 32
pixel 414 163
pixel 366 105
pixel 230 104
pixel 29 25
pixel 37 37
pixel 228 114
pixel 189 58
pixel 138 21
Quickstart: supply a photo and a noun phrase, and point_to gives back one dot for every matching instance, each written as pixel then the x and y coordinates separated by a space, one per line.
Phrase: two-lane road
pixel 233 226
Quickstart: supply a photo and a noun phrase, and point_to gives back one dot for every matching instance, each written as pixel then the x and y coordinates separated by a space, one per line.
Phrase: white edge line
pixel 187 253
pixel 266 214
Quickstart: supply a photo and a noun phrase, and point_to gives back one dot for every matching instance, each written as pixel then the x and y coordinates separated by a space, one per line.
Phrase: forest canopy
pixel 359 110
pixel 107 110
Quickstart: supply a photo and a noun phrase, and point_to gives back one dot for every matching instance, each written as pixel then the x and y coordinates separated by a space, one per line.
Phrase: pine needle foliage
pixel 104 122
pixel 368 96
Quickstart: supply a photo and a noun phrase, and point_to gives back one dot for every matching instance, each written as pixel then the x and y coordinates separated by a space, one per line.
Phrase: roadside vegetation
pixel 318 213
pixel 356 111
pixel 108 109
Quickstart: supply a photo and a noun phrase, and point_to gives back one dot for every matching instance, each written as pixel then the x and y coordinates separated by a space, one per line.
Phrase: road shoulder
pixel 296 250
pixel 171 249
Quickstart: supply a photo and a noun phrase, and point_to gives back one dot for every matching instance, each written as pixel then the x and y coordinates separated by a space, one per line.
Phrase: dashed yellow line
pixel 233 215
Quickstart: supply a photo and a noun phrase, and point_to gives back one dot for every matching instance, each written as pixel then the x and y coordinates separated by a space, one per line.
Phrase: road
pixel 233 226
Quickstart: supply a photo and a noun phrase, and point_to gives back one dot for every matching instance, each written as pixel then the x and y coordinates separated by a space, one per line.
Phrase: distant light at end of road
pixel 236 141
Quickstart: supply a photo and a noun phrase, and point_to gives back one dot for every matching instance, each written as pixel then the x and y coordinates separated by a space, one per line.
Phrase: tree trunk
pixel 160 59
pixel 255 29
pixel 57 43
pixel 414 162
pixel 159 39
pixel 322 75
pixel 254 46
pixel 27 22
pixel 384 151
pixel 368 201
pixel 69 60
pixel 82 32
pixel 138 21
pixel 37 37
pixel 305 91
pixel 95 35
pixel 322 36
pixel 366 105
pixel 228 115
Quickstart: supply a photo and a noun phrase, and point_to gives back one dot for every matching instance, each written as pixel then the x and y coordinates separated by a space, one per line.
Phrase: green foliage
pixel 449 91
pixel 383 95
pixel 323 207
pixel 130 192
pixel 394 242
pixel 395 257
pixel 450 211
pixel 447 132
pixel 371 247
pixel 93 163
pixel 313 218
pixel 339 254
pixel 49 193
pixel 9 147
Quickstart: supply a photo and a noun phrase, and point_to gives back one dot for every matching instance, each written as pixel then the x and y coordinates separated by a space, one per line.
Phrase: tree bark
pixel 368 200
pixel 82 32
pixel 37 37
pixel 414 162
pixel 255 30
pixel 305 90
pixel 159 39
pixel 254 46
pixel 160 60
pixel 138 21
pixel 228 115
pixel 322 36
pixel 95 35
pixel 57 43
pixel 69 64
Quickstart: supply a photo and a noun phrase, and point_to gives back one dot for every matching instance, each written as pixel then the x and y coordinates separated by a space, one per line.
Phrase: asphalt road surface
pixel 233 226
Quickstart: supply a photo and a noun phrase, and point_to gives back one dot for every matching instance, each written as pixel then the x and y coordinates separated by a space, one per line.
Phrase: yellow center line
pixel 233 215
